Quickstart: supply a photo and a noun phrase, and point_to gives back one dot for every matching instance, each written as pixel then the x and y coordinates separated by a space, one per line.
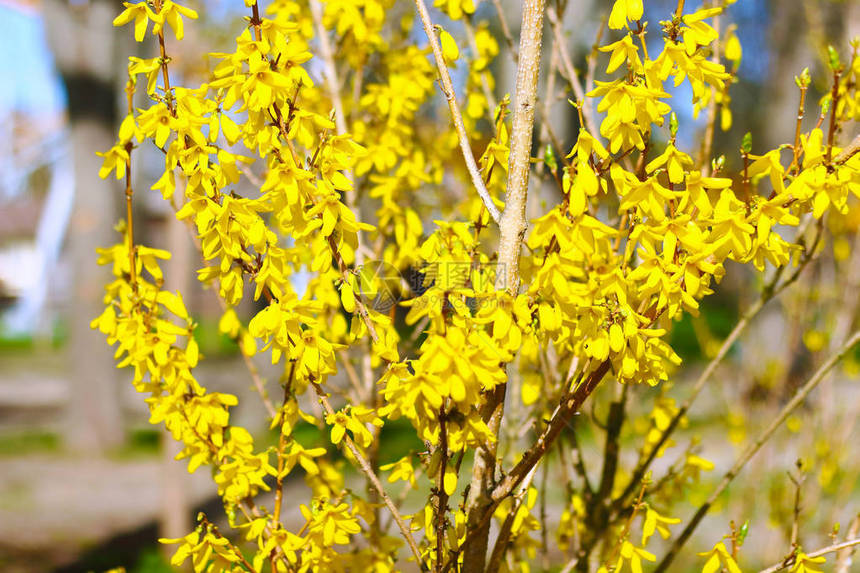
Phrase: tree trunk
pixel 512 228
pixel 82 40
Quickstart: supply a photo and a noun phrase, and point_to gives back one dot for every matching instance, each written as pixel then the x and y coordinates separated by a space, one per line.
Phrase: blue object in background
pixel 32 136
pixel 29 83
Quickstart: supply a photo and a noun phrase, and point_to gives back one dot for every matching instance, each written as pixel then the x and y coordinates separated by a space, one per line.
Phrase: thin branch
pixel 569 71
pixel 849 151
pixel 546 137
pixel 485 83
pixel 754 447
pixel 798 499
pixel 282 444
pixel 456 116
pixel 441 494
pixel 364 467
pixel 801 110
pixel 506 30
pixel 843 555
pixel 253 371
pixel 704 377
pixel 578 461
pixel 834 105
pixel 331 77
pixel 351 374
pixel 824 551
pixel 614 423
pixel 249 363
pixel 211 527
pixel 332 82
pixel 505 532
pixel 129 195
pixel 512 229
pixel 770 291
pixel 710 127
pixel 567 408
pixel 592 57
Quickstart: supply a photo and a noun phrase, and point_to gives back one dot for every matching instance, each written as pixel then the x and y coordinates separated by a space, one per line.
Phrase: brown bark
pixel 512 228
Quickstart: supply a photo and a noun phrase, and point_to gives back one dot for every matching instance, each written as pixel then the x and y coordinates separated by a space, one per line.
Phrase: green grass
pixel 212 343
pixel 29 442
pixel 16 343
pixel 140 442
pixel 151 561
pixel 397 439
pixel 720 317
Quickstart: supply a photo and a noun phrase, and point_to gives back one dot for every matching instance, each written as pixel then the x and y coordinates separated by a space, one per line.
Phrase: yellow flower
pixel 717 556
pixel 115 159
pixel 456 8
pixel 141 14
pixel 172 14
pixel 632 556
pixel 330 524
pixel 698 33
pixel 624 50
pixel 402 470
pixel 806 564
pixel 677 163
pixel 624 10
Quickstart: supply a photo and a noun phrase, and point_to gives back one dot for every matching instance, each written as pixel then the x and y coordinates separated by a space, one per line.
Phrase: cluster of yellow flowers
pixel 628 249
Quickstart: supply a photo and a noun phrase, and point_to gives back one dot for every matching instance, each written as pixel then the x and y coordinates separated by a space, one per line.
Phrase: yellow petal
pixel 449 47
pixel 450 480
pixel 347 297
pixel 616 338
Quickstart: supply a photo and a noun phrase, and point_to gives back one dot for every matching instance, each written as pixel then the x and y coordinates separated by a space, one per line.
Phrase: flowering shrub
pixel 507 327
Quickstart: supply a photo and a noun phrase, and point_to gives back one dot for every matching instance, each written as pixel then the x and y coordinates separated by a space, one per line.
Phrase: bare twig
pixel 506 30
pixel 441 493
pixel 282 444
pixel 506 530
pixel 798 498
pixel 834 105
pixel 569 71
pixel 850 151
pixel 770 291
pixel 351 374
pixel 129 195
pixel 824 551
pixel 569 405
pixel 754 447
pixel 801 110
pixel 512 228
pixel 710 127
pixel 843 555
pixel 485 82
pixel 591 69
pixel 364 467
pixel 456 116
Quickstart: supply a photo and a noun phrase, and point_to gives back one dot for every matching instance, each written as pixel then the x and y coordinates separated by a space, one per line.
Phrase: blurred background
pixel 86 483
